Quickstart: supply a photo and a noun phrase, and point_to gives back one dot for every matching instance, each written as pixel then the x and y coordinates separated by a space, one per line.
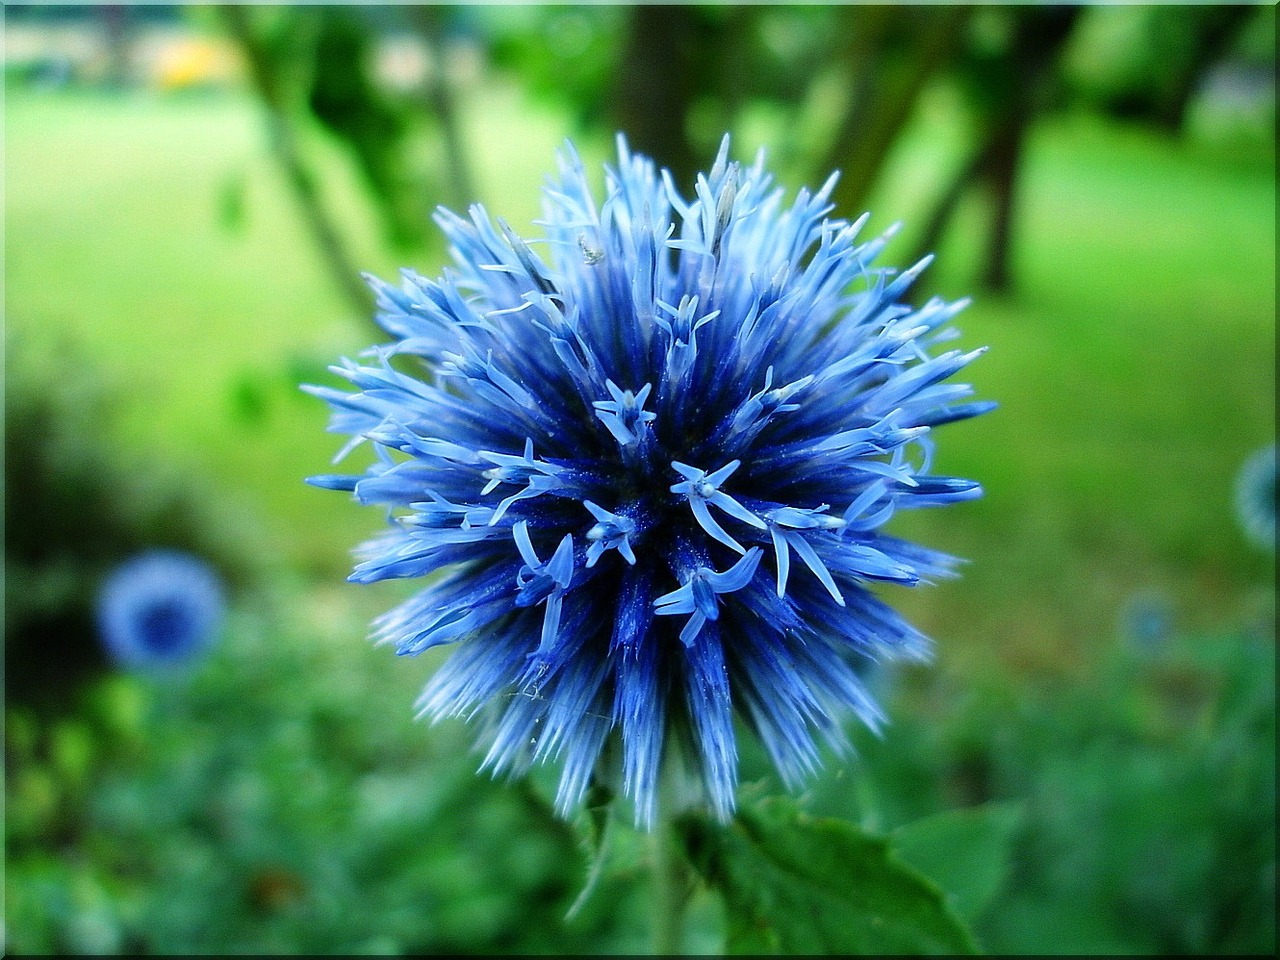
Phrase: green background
pixel 280 797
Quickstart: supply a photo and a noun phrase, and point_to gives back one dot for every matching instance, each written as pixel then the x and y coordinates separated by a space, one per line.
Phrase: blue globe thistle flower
pixel 159 609
pixel 614 449
pixel 1256 497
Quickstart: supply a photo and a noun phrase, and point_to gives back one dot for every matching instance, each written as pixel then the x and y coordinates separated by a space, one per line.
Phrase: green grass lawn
pixel 1134 366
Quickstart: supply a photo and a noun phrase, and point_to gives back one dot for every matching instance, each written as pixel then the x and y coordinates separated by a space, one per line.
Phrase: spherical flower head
pixel 1256 497
pixel 160 609
pixel 651 457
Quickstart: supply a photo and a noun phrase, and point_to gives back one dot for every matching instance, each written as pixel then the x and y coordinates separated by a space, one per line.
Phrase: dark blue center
pixel 165 626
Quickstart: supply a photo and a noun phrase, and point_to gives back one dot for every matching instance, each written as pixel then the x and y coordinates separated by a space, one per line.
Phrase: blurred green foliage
pixel 74 509
pixel 1146 795
pixel 282 800
pixel 348 102
pixel 1146 62
pixel 277 801
pixel 796 884
pixel 1066 789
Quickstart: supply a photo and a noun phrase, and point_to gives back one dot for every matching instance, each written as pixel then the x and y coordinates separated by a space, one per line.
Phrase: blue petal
pixel 737 576
pixel 710 713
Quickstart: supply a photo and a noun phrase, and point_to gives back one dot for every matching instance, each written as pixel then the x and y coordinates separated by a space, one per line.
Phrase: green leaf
pixel 965 851
pixel 792 883
pixel 598 807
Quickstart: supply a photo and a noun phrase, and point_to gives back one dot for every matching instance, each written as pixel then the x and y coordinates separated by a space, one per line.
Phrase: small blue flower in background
pixel 159 609
pixel 1256 497
pixel 1147 619
pixel 617 441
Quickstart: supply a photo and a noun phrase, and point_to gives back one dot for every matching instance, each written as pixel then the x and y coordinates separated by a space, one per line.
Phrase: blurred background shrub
pixel 191 194
pixel 74 510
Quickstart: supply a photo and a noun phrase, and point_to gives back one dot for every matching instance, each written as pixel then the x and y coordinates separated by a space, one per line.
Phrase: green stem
pixel 671 888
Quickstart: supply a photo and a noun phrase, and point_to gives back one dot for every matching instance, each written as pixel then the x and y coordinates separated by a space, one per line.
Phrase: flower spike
pixel 698 594
pixel 701 488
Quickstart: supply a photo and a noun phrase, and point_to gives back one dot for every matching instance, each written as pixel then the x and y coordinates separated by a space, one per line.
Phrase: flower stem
pixel 671 887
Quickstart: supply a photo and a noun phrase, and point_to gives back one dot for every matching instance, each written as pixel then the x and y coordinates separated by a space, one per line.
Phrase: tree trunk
pixel 654 88
pixel 1004 160
pixel 429 22
pixel 116 32
pixel 1040 35
pixel 1038 42
pixel 946 206
pixel 284 145
pixel 1218 27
